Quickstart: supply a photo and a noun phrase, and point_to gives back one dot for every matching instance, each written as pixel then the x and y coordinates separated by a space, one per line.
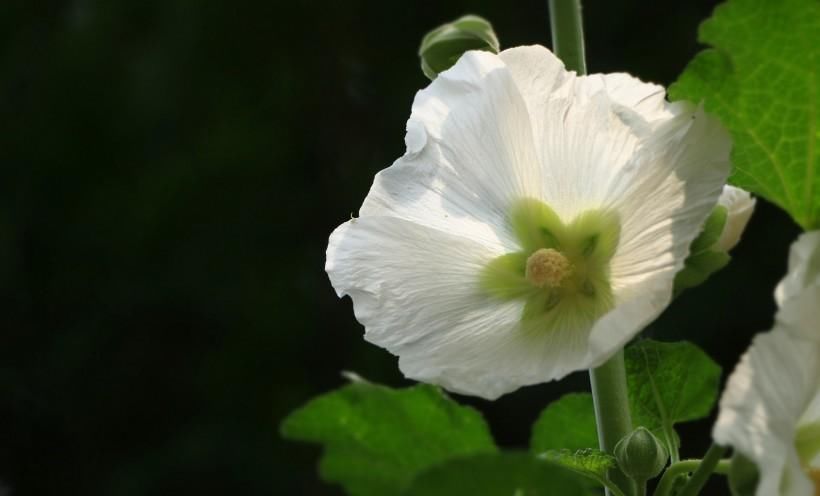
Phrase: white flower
pixel 534 225
pixel 770 410
pixel 739 206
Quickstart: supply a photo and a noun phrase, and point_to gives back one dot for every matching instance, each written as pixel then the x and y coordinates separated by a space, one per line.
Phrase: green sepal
pixel 698 268
pixel 712 229
pixel 442 47
pixel 705 258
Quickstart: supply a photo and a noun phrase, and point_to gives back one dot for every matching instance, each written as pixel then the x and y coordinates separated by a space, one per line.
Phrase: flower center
pixel 547 267
pixel 561 272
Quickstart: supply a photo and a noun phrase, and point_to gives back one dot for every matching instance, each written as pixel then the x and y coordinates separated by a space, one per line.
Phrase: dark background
pixel 171 170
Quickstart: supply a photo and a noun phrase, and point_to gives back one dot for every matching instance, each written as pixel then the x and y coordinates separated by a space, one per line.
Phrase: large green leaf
pixel 503 474
pixel 567 423
pixel 377 439
pixel 761 79
pixel 669 383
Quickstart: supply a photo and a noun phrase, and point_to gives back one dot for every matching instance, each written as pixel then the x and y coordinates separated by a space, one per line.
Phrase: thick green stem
pixel 609 393
pixel 710 462
pixel 568 34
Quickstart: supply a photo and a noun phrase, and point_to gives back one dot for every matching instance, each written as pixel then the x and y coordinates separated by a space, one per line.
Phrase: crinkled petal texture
pixel 773 396
pixel 489 132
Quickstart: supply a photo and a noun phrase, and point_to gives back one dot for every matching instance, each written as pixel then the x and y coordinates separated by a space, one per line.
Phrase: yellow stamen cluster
pixel 547 267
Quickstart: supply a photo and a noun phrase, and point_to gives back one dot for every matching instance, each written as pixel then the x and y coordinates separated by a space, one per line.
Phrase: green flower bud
pixel 443 46
pixel 709 252
pixel 705 256
pixel 640 455
pixel 743 476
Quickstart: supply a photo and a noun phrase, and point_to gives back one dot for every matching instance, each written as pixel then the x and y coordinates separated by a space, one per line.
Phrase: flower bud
pixel 743 476
pixel 739 206
pixel 442 47
pixel 709 252
pixel 640 455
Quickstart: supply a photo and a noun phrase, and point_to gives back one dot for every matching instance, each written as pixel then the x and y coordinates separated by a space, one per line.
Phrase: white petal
pixel 739 207
pixel 764 399
pixel 415 289
pixel 776 387
pixel 470 153
pixel 647 99
pixel 540 77
pixel 638 305
pixel 666 192
pixel 804 268
pixel 663 186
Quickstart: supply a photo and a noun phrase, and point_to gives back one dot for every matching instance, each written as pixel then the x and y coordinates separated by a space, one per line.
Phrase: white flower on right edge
pixel 770 410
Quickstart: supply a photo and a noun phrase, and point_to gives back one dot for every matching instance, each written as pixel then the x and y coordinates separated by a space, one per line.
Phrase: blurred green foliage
pixel 170 173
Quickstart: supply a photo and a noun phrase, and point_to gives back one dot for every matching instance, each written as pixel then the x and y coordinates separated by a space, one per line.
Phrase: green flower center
pixel 807 442
pixel 562 270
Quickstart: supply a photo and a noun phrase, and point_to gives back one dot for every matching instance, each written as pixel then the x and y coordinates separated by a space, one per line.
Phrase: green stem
pixel 568 34
pixel 641 489
pixel 610 487
pixel 710 462
pixel 682 467
pixel 609 393
pixel 609 380
pixel 722 467
pixel 675 470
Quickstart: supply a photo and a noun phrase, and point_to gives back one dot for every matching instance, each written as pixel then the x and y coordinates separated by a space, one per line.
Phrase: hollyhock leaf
pixel 669 383
pixel 376 439
pixel 502 474
pixel 760 78
pixel 566 423
pixel 590 463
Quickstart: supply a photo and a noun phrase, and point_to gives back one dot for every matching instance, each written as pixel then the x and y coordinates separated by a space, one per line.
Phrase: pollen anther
pixel 547 267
